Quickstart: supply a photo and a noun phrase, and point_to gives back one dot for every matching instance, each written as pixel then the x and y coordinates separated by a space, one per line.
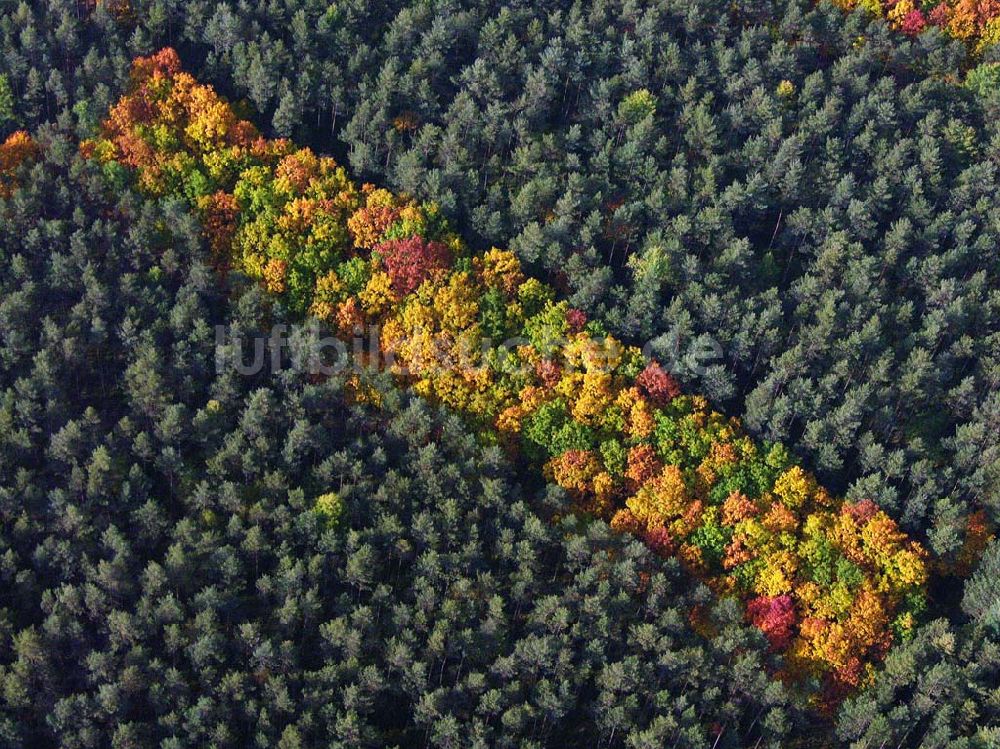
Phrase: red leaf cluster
pixel 775 617
pixel 657 383
pixel 412 261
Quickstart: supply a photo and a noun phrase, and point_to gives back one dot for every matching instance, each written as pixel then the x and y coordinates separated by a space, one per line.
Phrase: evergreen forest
pixel 459 373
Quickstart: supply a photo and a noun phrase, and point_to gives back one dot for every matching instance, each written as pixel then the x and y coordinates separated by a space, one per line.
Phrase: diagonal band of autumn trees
pixel 832 584
pixel 975 22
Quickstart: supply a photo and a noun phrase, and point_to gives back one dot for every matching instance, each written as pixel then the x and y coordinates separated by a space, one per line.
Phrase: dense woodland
pixel 191 558
pixel 832 584
pixel 171 579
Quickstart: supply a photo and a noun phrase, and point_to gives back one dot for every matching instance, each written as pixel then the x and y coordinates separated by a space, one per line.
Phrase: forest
pixel 525 514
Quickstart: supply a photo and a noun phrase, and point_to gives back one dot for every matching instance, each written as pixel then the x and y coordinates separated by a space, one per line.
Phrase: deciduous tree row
pixel 831 583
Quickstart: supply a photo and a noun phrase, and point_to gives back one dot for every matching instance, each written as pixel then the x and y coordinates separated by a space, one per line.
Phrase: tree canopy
pixel 521 531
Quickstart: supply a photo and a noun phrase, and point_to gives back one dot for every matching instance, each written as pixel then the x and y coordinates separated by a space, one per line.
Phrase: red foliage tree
pixel 412 261
pixel 914 22
pixel 939 15
pixel 657 383
pixel 576 319
pixel 660 542
pixel 862 511
pixel 775 617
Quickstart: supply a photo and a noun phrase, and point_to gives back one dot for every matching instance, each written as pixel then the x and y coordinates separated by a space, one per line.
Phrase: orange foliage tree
pixel 18 148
